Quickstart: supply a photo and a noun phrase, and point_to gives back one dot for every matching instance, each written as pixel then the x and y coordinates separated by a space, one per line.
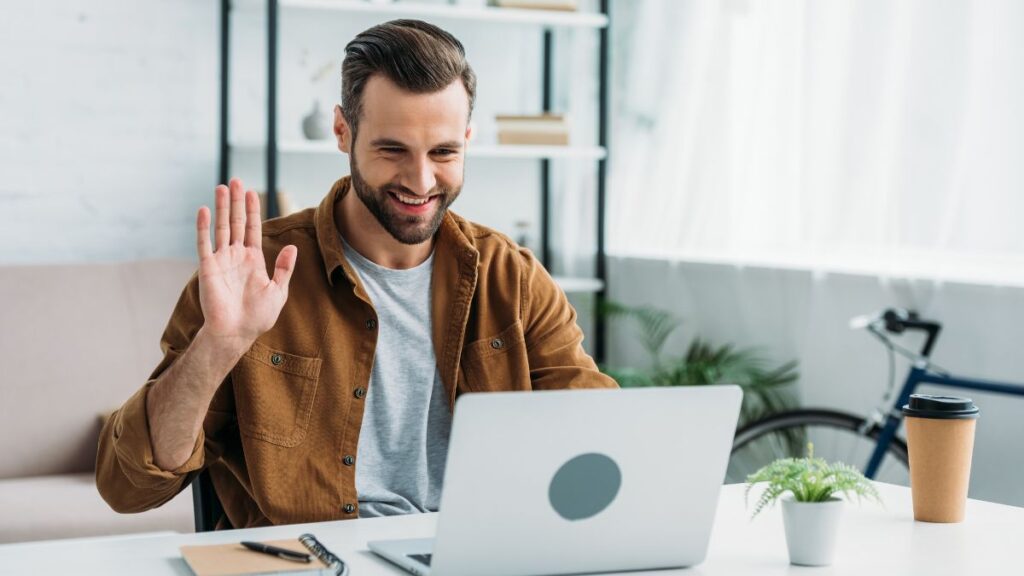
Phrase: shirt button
pixel 349 508
pixel 275 359
pixel 371 324
pixel 360 392
pixel 497 343
pixel 348 460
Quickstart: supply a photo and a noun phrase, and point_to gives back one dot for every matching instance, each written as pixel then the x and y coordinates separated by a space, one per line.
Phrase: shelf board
pixel 328 147
pixel 524 151
pixel 578 285
pixel 551 18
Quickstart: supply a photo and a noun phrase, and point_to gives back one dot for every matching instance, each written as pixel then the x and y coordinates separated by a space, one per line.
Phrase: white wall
pixel 803 315
pixel 109 123
pixel 108 128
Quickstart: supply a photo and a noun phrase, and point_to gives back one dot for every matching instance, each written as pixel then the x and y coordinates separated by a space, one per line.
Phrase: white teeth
pixel 410 200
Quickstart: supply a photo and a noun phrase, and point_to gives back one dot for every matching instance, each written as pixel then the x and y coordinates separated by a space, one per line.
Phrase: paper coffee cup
pixel 940 439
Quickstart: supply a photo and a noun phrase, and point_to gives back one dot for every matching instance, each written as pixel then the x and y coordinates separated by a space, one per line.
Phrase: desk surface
pixel 873 540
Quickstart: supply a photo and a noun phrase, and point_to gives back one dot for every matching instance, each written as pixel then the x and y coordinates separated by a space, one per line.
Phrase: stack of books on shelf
pixel 567 5
pixel 543 130
pixel 285 206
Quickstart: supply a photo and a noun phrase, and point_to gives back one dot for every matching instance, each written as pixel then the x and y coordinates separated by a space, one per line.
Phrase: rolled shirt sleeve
pixel 126 476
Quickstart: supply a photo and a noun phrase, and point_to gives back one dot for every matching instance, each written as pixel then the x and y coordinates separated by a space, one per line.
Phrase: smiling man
pixel 326 390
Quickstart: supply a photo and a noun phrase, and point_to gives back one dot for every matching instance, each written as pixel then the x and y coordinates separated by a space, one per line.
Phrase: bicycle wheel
pixel 837 436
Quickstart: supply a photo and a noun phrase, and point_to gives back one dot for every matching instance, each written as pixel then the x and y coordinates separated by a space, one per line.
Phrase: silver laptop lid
pixel 583 480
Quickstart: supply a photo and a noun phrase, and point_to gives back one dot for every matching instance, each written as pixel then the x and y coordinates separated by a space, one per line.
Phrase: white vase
pixel 811 530
pixel 314 124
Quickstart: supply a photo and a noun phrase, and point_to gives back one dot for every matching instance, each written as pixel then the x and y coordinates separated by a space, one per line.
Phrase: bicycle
pixel 870 443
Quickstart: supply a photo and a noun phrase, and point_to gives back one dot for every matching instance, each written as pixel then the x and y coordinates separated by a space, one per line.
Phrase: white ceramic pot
pixel 314 124
pixel 811 530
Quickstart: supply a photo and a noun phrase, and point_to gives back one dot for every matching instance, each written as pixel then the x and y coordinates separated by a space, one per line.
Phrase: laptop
pixel 576 481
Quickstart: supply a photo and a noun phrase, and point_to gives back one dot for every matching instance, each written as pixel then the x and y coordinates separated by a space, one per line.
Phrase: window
pixel 883 137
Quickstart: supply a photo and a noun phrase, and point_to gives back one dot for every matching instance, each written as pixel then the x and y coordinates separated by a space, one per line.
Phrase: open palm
pixel 239 300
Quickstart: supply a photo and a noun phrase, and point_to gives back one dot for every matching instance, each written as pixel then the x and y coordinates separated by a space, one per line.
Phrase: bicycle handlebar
pixel 899 320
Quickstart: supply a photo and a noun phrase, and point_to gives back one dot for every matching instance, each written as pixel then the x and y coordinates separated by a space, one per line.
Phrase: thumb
pixel 284 266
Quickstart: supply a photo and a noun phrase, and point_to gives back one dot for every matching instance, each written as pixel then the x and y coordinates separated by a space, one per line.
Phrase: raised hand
pixel 239 300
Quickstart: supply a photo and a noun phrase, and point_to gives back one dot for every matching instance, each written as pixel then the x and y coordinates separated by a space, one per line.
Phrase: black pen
pixel 279 552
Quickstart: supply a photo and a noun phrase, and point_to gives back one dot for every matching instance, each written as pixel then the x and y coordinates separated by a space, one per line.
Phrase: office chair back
pixel 205 503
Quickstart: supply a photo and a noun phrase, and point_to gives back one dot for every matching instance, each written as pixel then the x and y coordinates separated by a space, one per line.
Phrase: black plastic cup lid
pixel 948 407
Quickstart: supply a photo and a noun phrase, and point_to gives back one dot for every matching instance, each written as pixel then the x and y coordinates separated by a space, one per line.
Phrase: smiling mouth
pixel 411 200
pixel 414 204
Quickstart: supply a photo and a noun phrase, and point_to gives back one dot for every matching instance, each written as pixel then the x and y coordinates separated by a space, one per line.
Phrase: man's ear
pixel 469 132
pixel 341 131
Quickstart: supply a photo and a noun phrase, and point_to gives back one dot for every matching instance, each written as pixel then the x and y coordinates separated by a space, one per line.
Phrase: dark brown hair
pixel 418 57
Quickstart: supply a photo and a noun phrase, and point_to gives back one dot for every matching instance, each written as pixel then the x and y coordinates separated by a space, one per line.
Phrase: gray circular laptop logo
pixel 584 486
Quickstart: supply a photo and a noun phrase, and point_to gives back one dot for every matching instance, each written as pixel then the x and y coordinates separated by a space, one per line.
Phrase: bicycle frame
pixel 918 375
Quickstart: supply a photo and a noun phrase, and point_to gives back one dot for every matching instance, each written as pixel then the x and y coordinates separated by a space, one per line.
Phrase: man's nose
pixel 419 176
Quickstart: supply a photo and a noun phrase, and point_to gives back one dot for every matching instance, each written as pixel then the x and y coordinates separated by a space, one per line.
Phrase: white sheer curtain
pixel 884 136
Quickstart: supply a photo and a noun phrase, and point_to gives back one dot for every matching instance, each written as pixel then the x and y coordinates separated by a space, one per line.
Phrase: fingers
pixel 203 246
pixel 237 219
pixel 284 266
pixel 253 231
pixel 221 232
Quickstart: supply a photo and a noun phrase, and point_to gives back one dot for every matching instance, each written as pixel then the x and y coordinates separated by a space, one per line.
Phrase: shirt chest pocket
pixel 497 363
pixel 274 394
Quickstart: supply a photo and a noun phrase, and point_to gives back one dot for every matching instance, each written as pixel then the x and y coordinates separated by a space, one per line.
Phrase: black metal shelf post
pixel 602 172
pixel 225 72
pixel 272 208
pixel 224 173
pixel 545 164
pixel 545 175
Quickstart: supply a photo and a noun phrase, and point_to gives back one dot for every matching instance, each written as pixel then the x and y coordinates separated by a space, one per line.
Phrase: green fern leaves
pixel 766 389
pixel 809 479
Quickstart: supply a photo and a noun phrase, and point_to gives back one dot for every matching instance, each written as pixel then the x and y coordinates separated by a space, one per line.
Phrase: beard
pixel 406 228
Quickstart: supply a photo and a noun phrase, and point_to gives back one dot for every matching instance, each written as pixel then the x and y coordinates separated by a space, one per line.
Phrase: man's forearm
pixel 178 401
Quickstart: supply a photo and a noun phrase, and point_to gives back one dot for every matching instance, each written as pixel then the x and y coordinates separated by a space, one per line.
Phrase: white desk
pixel 873 540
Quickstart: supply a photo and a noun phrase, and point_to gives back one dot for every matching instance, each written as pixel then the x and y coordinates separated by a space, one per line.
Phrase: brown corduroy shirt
pixel 279 428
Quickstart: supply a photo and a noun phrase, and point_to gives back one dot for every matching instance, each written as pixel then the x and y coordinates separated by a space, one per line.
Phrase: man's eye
pixel 445 152
pixel 392 150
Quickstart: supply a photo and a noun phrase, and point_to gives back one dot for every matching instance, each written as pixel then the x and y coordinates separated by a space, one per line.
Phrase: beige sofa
pixel 75 342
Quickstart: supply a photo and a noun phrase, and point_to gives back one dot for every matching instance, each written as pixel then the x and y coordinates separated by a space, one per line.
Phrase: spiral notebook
pixel 234 559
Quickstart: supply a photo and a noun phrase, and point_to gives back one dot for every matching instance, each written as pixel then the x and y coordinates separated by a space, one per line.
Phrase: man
pixel 326 391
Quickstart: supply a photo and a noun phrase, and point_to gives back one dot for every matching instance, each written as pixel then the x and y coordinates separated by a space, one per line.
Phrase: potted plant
pixel 766 389
pixel 808 488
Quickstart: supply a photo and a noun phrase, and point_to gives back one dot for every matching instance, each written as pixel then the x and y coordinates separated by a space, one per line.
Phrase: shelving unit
pixel 546 19
pixel 449 12
pixel 328 147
